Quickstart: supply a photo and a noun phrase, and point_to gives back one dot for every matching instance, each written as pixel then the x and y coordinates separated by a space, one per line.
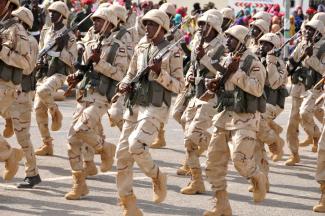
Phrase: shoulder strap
pixel 247 63
pixel 321 51
pixel 112 52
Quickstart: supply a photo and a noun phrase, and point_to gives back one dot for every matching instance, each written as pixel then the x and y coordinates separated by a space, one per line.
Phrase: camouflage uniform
pixel 52 81
pixel 303 101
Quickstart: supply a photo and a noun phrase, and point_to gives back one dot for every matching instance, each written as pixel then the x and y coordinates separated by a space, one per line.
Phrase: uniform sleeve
pixel 132 70
pixel 276 75
pixel 252 83
pixel 118 69
pixel 315 63
pixel 173 80
pixel 15 48
pixel 33 55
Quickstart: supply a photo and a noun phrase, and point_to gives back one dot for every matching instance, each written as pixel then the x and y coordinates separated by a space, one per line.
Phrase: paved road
pixel 293 189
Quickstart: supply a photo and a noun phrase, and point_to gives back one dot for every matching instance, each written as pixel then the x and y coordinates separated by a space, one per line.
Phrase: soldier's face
pixel 151 28
pixel 225 23
pixel 98 24
pixel 265 47
pixel 310 32
pixel 55 16
pixel 203 28
pixel 232 43
pixel 255 31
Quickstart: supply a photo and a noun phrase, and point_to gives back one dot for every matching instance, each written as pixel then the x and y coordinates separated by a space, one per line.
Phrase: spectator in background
pixel 310 12
pixel 292 30
pixel 321 8
pixel 299 18
pixel 196 9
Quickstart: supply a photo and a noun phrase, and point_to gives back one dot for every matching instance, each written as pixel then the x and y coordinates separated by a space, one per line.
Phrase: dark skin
pixel 98 25
pixel 155 65
pixel 310 32
pixel 265 48
pixel 256 33
pixel 203 29
pixel 232 44
pixel 225 24
pixel 57 21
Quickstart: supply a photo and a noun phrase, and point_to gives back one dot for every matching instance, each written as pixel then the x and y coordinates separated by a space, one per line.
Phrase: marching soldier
pixel 198 114
pixel 151 108
pixel 239 92
pixel 14 57
pixel 117 109
pixel 108 58
pixel 59 62
pixel 170 10
pixel 39 19
pixel 306 66
pixel 20 110
pixel 276 76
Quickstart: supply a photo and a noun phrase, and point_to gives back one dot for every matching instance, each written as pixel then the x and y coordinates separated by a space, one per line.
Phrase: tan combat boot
pixel 159 186
pixel 79 187
pixel 314 148
pixel 56 119
pixel 294 158
pixel 308 141
pixel 45 150
pixel 277 149
pixel 90 168
pixel 11 164
pixel 196 186
pixel 251 187
pixel 184 170
pixel 9 129
pixel 129 204
pixel 160 141
pixel 222 206
pixel 259 183
pixel 107 156
pixel 320 207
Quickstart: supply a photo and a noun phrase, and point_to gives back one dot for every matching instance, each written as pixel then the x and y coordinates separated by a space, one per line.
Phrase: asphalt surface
pixel 293 189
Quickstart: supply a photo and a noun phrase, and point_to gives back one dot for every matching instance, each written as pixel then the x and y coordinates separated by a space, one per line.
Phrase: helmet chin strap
pixel 208 32
pixel 157 32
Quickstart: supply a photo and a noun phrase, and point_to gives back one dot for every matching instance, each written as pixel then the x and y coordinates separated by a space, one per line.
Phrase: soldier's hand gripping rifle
pixel 52 43
pixel 157 58
pixel 74 80
pixel 215 85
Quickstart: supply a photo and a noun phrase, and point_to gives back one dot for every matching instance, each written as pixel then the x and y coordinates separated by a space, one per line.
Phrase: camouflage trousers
pixel 20 112
pixel 115 113
pixel 302 111
pixel 198 119
pixel 320 169
pixel 266 135
pixel 179 108
pixel 243 148
pixel 85 128
pixel 44 102
pixel 7 97
pixel 139 131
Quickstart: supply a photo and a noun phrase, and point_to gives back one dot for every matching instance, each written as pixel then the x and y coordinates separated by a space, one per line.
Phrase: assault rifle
pixel 277 51
pixel 174 29
pixel 144 71
pixel 52 43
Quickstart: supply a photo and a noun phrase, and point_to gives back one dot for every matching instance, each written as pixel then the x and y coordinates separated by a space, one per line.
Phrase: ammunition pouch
pixel 107 86
pixel 276 96
pixel 240 101
pixel 10 73
pixel 28 82
pixel 308 77
pixel 200 87
pixel 56 66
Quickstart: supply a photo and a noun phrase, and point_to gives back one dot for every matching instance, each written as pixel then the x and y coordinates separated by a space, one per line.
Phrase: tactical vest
pixel 308 76
pixel 104 85
pixel 150 92
pixel 240 101
pixel 8 72
pixel 56 66
pixel 200 87
pixel 28 82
